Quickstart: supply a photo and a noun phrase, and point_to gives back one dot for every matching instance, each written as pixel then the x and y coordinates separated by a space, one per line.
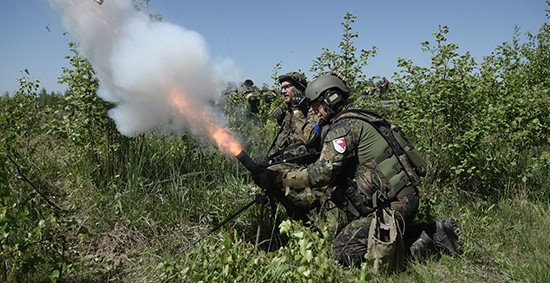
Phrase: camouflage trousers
pixel 350 245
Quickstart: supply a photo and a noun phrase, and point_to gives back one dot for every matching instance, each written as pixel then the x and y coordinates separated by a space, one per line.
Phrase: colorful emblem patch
pixel 339 145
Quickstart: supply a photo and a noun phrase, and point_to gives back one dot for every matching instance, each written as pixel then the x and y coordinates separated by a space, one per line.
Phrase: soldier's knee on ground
pixel 350 245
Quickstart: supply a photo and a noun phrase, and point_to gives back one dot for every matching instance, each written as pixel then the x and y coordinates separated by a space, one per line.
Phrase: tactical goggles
pixel 286 86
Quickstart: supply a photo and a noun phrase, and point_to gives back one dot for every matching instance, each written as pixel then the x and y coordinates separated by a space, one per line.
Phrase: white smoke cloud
pixel 139 63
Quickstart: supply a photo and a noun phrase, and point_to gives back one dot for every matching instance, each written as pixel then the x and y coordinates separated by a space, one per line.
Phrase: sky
pixel 256 35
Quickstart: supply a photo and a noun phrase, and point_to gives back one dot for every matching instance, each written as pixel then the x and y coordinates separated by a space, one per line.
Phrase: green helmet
pixel 323 83
pixel 248 82
pixel 296 78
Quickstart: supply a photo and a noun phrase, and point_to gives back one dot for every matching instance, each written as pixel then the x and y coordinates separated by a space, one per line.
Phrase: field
pixel 79 202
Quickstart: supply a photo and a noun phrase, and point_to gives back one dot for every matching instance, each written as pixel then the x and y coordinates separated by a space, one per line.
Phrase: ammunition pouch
pixel 385 241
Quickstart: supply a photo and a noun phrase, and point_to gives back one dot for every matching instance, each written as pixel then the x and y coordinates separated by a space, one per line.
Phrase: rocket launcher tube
pixel 248 163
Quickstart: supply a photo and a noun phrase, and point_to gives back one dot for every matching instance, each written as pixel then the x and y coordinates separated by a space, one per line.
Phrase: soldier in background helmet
pixel 356 165
pixel 298 123
pixel 252 95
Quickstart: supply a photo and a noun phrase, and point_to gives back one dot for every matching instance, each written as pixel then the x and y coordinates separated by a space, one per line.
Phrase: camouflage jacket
pixel 351 145
pixel 297 128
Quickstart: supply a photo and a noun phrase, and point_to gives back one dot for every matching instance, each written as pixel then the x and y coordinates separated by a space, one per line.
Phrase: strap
pixel 281 129
pixel 388 152
pixel 377 122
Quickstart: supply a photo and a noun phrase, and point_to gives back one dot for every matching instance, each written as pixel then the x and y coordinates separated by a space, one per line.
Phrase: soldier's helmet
pixel 331 91
pixel 319 87
pixel 297 79
pixel 231 86
pixel 248 83
pixel 247 86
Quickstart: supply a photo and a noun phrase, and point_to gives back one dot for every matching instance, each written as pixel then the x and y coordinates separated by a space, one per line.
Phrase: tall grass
pixel 171 190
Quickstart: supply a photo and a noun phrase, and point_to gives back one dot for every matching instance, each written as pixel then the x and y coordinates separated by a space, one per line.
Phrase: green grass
pixel 138 224
pixel 140 228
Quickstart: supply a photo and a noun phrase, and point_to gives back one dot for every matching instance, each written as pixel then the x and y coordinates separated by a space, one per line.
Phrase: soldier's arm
pixel 306 129
pixel 337 149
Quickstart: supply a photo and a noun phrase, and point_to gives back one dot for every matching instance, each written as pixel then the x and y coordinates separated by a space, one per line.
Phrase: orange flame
pixel 221 136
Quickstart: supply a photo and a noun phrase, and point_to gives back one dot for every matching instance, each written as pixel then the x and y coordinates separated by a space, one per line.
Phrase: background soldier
pixel 252 95
pixel 299 132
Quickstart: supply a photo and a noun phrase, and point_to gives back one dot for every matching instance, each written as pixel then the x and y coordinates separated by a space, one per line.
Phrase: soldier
pixel 299 131
pixel 252 95
pixel 357 166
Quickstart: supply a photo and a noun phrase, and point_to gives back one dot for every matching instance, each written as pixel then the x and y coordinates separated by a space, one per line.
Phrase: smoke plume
pixel 144 66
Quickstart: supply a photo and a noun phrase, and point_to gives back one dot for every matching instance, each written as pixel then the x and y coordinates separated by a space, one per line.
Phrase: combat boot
pixel 446 237
pixel 423 248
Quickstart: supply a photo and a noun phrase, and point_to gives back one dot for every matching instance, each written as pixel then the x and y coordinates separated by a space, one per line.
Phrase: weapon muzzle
pixel 249 163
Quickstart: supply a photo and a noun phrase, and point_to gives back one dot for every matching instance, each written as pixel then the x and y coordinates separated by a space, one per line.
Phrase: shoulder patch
pixel 340 145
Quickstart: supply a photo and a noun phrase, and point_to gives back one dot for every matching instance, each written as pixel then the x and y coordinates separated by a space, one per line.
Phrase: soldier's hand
pixel 299 100
pixel 298 97
pixel 267 179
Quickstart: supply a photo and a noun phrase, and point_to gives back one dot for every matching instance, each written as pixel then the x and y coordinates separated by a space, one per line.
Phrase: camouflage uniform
pixel 300 123
pixel 350 149
pixel 298 136
pixel 296 128
pixel 360 171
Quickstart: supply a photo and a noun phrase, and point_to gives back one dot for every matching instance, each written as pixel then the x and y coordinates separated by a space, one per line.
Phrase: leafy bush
pixel 305 258
pixel 37 237
pixel 475 124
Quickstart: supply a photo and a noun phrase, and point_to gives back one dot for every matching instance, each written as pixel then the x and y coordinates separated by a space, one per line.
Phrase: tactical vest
pixel 382 179
pixel 289 143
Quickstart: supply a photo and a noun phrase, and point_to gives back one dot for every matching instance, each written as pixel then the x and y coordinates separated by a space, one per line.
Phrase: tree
pixel 345 61
pixel 143 5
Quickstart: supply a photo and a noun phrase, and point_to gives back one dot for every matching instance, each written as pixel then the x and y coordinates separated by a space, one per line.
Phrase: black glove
pixel 263 163
pixel 299 100
pixel 266 179
pixel 298 97
pixel 279 115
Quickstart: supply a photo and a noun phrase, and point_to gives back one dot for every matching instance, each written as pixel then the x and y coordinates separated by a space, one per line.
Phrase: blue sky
pixel 257 35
